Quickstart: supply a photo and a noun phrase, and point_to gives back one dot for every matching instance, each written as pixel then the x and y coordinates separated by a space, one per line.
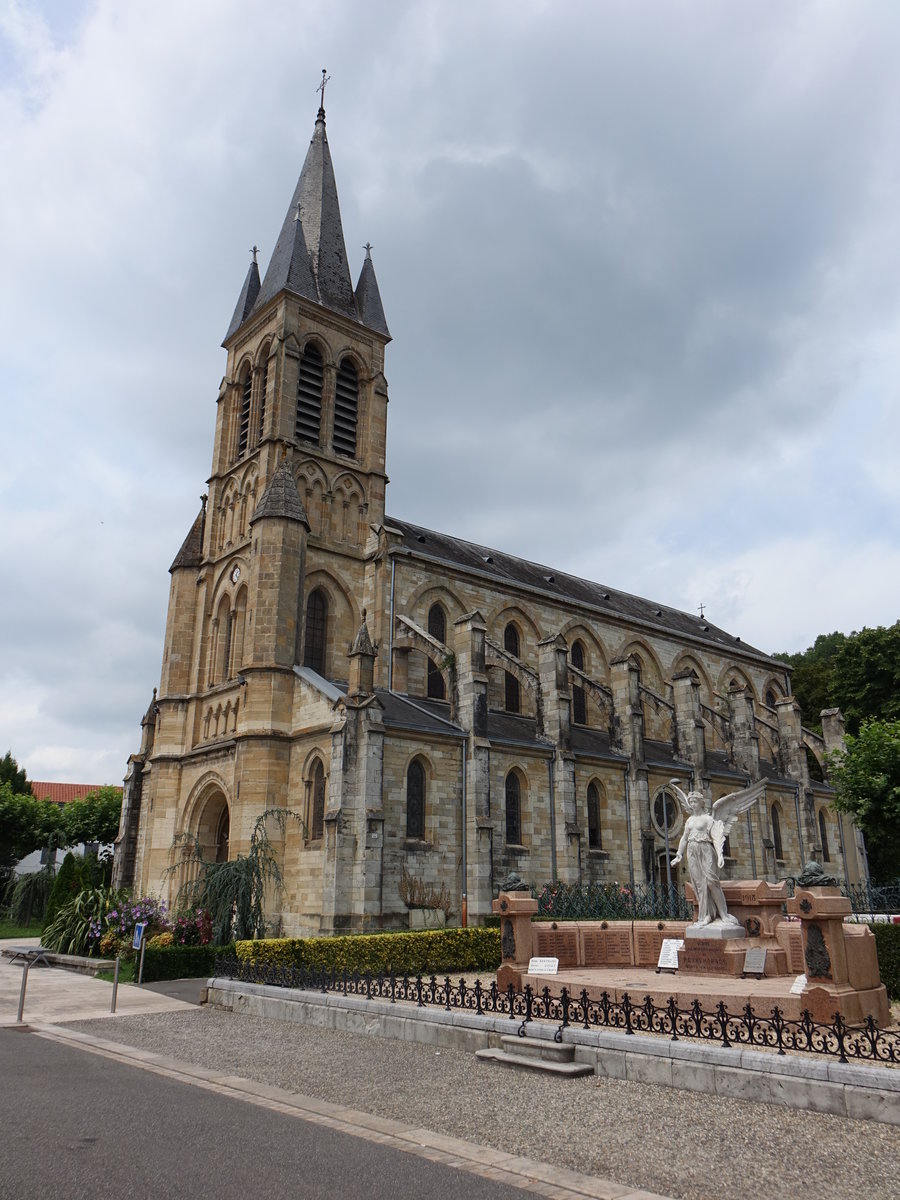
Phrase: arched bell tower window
pixel 437 627
pixel 316 631
pixel 263 388
pixel 579 702
pixel 595 837
pixel 308 424
pixel 415 801
pixel 512 697
pixel 346 406
pixel 513 790
pixel 244 414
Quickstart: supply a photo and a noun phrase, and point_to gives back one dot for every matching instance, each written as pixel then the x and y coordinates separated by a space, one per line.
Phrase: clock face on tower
pixel 235 574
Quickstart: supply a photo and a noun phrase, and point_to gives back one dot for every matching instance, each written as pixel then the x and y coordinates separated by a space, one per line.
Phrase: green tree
pixel 867 782
pixel 26 824
pixel 11 774
pixel 865 681
pixel 93 818
pixel 811 680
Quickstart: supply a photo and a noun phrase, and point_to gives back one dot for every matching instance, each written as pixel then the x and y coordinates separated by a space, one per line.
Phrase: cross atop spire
pixel 321 90
pixel 254 250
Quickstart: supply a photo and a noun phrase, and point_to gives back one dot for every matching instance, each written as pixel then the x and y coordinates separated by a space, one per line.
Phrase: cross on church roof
pixel 254 250
pixel 321 89
pixel 700 609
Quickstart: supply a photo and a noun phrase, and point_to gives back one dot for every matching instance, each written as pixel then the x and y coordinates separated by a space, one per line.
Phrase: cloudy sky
pixel 641 263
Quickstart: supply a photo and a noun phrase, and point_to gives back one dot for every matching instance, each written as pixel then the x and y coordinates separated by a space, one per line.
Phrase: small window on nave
pixel 823 837
pixel 346 406
pixel 595 835
pixel 513 796
pixel 512 696
pixel 415 801
pixel 776 833
pixel 317 803
pixel 579 700
pixel 308 423
pixel 437 627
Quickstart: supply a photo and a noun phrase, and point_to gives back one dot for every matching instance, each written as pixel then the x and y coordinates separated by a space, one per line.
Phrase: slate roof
pixel 417 716
pixel 191 552
pixel 310 257
pixel 246 300
pixel 281 499
pixel 504 570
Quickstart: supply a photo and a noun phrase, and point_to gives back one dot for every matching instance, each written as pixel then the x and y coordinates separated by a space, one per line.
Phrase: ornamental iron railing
pixel 656 902
pixel 866 1043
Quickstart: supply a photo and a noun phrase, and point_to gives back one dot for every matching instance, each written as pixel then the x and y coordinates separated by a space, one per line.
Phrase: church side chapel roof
pixel 506 569
pixel 419 715
pixel 191 552
pixel 281 498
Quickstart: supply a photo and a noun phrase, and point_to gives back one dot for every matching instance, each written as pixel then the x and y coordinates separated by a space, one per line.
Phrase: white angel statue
pixel 704 839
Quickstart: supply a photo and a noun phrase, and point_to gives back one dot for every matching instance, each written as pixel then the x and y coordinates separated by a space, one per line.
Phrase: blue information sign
pixel 138 935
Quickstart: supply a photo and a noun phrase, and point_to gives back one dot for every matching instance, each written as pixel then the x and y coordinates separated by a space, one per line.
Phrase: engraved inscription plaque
pixel 755 962
pixel 703 956
pixel 558 943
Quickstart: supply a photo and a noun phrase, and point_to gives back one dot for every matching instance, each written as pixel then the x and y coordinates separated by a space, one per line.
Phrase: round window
pixel 666 813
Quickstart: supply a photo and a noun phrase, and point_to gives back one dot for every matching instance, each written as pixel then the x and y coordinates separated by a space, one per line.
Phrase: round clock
pixel 235 574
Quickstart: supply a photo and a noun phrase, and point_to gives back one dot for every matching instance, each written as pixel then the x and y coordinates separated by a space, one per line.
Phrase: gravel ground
pixel 681 1144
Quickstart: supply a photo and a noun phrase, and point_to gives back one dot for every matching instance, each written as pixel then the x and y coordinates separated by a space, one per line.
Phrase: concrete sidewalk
pixel 54 995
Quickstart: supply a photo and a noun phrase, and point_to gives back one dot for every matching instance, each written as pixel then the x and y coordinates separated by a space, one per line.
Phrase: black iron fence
pixel 659 902
pixel 745 1028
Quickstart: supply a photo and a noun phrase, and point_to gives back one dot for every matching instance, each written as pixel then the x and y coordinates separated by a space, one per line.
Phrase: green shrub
pixel 432 952
pixel 887 942
pixel 76 928
pixel 27 896
pixel 65 888
pixel 180 962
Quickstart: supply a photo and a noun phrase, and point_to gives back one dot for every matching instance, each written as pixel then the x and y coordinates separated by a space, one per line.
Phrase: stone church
pixel 427 707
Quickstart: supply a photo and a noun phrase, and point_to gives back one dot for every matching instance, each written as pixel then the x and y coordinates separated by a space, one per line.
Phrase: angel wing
pixel 729 808
pixel 682 796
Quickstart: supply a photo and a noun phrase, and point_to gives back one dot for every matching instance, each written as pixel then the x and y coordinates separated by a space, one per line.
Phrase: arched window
pixel 346 404
pixel 595 836
pixel 246 393
pixel 770 698
pixel 316 631
pixel 238 620
pixel 437 627
pixel 823 836
pixel 317 803
pixel 415 801
pixel 579 702
pixel 776 832
pixel 307 427
pixel 512 697
pixel 264 387
pixel 513 810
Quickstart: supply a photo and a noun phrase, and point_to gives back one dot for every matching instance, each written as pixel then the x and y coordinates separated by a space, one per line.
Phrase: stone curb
pixel 513 1170
pixel 858 1091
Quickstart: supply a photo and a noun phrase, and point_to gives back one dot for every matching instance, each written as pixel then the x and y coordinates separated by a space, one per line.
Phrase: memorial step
pixel 537 1054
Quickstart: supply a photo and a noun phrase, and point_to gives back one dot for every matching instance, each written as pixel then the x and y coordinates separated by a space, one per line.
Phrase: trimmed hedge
pixel 432 952
pixel 887 942
pixel 180 962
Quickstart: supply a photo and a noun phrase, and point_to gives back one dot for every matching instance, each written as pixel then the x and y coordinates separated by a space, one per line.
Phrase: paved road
pixel 77 1124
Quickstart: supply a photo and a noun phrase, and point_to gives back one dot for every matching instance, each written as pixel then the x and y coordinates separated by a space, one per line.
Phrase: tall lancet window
pixel 264 387
pixel 244 416
pixel 346 406
pixel 316 631
pixel 437 627
pixel 511 696
pixel 579 704
pixel 309 397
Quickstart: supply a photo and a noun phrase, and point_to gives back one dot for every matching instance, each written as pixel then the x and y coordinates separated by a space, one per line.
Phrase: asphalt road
pixel 74 1123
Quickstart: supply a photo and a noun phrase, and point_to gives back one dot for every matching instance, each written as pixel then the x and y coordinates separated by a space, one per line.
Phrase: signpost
pixel 137 943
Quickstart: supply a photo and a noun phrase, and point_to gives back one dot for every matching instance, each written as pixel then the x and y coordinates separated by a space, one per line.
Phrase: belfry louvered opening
pixel 346 405
pixel 244 423
pixel 264 387
pixel 309 397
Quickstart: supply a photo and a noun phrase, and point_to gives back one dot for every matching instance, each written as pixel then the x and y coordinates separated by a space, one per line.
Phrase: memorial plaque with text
pixel 557 943
pixel 606 947
pixel 648 942
pixel 703 956
pixel 755 962
pixel 668 954
pixel 796 965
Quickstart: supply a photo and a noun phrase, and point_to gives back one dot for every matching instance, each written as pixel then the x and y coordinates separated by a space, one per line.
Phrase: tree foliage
pixel 865 680
pixel 94 818
pixel 234 892
pixel 867 782
pixel 26 824
pixel 811 680
pixel 11 773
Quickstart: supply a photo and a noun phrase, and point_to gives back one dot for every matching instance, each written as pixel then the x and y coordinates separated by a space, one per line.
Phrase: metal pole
pixel 22 993
pixel 391 634
pixel 115 991
pixel 550 777
pixel 141 967
pixel 628 832
pixel 752 843
pixel 665 800
pixel 464 905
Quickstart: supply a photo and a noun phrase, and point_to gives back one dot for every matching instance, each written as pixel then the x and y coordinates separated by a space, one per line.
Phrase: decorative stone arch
pixel 228 501
pixel 815 755
pixel 731 673
pixel 207 820
pixel 247 500
pixel 686 661
pixel 415 807
pixel 315 775
pixel 506 614
pixel 342 621
pixel 825 832
pixel 658 719
pixel 321 344
pixel 515 796
pixel 576 630
pixel 642 652
pixel 772 688
pixel 243 373
pixel 263 351
pixel 312 484
pixel 596 807
pixel 431 592
pixel 349 509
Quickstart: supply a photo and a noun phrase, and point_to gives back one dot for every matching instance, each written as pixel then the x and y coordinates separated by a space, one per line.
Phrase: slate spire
pixel 246 299
pixel 323 274
pixel 281 499
pixel 368 297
